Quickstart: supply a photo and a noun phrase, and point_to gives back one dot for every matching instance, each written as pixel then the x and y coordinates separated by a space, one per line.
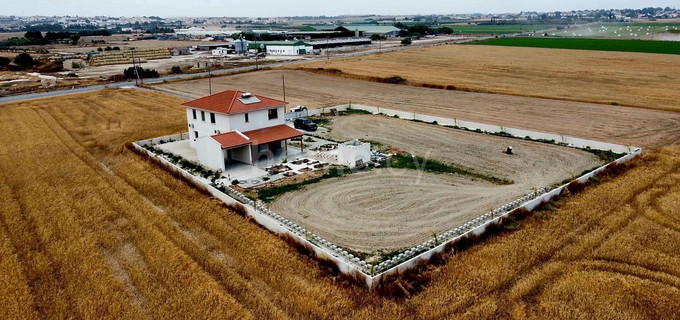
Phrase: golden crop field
pixel 619 78
pixel 89 229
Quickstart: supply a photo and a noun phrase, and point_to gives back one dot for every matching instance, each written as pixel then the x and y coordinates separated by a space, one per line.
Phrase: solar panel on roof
pixel 249 100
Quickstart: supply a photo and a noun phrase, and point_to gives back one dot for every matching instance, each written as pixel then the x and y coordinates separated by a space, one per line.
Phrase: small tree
pixel 176 69
pixel 406 41
pixel 100 49
pixel 74 38
pixel 24 60
pixel 33 35
pixel 129 73
pixel 4 61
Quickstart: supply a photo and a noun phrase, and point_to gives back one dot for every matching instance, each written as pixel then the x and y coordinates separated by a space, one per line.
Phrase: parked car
pixel 298 109
pixel 305 124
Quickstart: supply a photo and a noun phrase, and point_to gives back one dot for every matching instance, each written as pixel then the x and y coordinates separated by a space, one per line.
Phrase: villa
pixel 237 127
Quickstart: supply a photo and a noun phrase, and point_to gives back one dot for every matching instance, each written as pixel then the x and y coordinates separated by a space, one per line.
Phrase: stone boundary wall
pixel 372 275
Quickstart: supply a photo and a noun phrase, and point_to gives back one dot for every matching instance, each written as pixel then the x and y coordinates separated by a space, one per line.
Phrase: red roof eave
pixel 271 134
pixel 230 139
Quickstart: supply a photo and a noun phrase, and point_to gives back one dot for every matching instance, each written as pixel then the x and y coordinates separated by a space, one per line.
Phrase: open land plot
pixel 647 46
pixel 624 78
pixel 119 41
pixel 497 29
pixel 663 30
pixel 388 209
pixel 90 230
pixel 630 126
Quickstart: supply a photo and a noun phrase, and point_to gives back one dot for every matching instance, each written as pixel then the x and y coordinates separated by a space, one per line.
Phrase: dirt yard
pixel 631 126
pixel 394 208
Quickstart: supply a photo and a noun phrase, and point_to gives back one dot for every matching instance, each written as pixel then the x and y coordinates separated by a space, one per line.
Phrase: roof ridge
pixel 233 98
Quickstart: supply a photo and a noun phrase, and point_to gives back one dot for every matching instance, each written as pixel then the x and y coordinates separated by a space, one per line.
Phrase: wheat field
pixel 618 78
pixel 89 229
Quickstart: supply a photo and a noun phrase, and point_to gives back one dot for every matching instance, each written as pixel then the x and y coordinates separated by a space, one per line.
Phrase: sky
pixel 271 8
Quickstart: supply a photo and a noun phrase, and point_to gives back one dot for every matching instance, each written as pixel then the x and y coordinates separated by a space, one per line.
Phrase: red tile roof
pixel 231 139
pixel 228 102
pixel 270 134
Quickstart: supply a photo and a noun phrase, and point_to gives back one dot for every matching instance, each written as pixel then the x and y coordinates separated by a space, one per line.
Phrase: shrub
pixel 4 61
pixel 394 79
pixel 406 41
pixel 176 69
pixel 129 73
pixel 24 60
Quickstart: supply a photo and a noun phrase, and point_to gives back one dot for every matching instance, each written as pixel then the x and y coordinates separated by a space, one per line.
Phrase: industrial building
pixel 287 48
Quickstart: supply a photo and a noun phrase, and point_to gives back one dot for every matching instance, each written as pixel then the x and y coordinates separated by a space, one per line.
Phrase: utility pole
pixel 283 81
pixel 327 44
pixel 207 64
pixel 138 79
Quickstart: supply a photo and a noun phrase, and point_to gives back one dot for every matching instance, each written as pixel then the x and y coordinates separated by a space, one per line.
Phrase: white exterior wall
pixel 287 50
pixel 257 119
pixel 259 151
pixel 242 154
pixel 220 52
pixel 210 153
pixel 205 128
pixel 349 154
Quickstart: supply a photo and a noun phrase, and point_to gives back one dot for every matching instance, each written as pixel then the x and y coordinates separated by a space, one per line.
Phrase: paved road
pixel 215 72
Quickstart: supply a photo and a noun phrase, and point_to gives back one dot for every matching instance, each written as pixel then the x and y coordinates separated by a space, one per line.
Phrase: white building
pixel 220 52
pixel 236 126
pixel 288 48
pixel 353 153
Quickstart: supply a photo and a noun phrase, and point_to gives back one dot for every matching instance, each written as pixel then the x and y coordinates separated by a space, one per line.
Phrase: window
pixel 273 113
pixel 246 117
pixel 195 134
pixel 203 115
pixel 212 117
pixel 194 112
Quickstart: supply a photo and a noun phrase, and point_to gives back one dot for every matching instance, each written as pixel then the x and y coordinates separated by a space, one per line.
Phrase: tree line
pixel 35 37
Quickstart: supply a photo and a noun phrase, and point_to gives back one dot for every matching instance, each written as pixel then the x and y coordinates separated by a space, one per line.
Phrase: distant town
pixel 155 23
pixel 42 53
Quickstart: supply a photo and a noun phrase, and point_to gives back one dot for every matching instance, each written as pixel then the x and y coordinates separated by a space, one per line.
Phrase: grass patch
pixel 320 121
pixel 646 46
pixel 376 145
pixel 407 161
pixel 606 156
pixel 354 111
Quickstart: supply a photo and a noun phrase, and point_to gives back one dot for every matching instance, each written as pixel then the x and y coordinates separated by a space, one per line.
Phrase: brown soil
pixel 623 125
pixel 623 78
pixel 394 208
